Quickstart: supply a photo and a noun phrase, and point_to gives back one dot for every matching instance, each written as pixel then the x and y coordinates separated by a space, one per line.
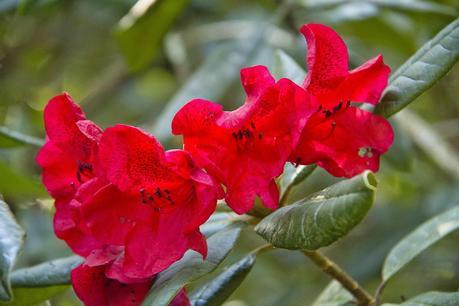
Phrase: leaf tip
pixel 370 180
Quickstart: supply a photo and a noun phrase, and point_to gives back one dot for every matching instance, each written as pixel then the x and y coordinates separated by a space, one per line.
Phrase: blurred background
pixel 136 62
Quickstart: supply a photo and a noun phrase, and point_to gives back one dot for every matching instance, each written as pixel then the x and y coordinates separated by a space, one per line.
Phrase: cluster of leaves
pixel 313 222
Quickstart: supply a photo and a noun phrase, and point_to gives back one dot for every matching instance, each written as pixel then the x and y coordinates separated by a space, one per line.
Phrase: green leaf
pixel 421 71
pixel 420 239
pixel 34 296
pixel 286 67
pixel 39 283
pixel 333 295
pixel 322 218
pixel 55 272
pixel 433 298
pixel 210 81
pixel 294 175
pixel 11 239
pixel 23 186
pixel 142 30
pixel 10 138
pixel 192 267
pixel 220 288
pixel 216 223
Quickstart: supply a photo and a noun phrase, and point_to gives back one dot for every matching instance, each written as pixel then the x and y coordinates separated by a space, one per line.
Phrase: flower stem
pixel 328 266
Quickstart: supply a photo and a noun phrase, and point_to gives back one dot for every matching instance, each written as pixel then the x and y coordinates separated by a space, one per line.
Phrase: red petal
pixel 197 242
pixel 166 244
pixel 366 83
pixel 255 80
pixel 132 158
pixel 61 115
pixel 110 214
pixel 327 58
pixel 68 228
pixel 59 171
pixel 181 299
pixel 94 289
pixel 343 149
pixel 247 148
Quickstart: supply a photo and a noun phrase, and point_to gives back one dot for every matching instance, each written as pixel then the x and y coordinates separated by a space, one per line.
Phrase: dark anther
pixel 320 108
pixel 239 134
pixel 338 107
pixel 327 113
pixel 150 198
pixel 348 103
pixel 260 135
pixel 252 125
pixel 158 193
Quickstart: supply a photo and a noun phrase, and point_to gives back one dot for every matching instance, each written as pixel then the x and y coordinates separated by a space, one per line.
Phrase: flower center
pixel 84 172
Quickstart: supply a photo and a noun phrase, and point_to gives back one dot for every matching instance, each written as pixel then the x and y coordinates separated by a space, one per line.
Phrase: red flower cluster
pixel 123 203
pixel 131 209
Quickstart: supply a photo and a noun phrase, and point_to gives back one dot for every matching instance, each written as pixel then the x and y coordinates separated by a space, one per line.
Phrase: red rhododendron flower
pixel 67 160
pixel 341 138
pixel 122 202
pixel 246 149
pixel 156 199
pixel 93 287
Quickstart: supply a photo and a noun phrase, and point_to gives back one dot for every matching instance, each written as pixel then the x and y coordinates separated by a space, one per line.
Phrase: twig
pixel 328 266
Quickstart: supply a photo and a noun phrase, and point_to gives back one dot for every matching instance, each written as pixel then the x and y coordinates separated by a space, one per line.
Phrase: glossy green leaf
pixel 215 292
pixel 210 81
pixel 322 218
pixel 34 285
pixel 142 30
pixel 421 71
pixel 420 239
pixel 433 298
pixel 334 295
pixel 10 138
pixel 11 239
pixel 192 267
pixel 34 296
pixel 55 272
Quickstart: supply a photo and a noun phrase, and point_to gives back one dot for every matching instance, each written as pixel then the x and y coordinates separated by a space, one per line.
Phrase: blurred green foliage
pixel 128 71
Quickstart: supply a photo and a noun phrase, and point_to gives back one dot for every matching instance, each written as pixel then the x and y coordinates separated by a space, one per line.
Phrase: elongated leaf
pixel 34 296
pixel 419 240
pixel 421 71
pixel 323 218
pixel 192 267
pixel 55 272
pixel 141 31
pixel 34 285
pixel 219 289
pixel 10 138
pixel 11 239
pixel 333 295
pixel 433 298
